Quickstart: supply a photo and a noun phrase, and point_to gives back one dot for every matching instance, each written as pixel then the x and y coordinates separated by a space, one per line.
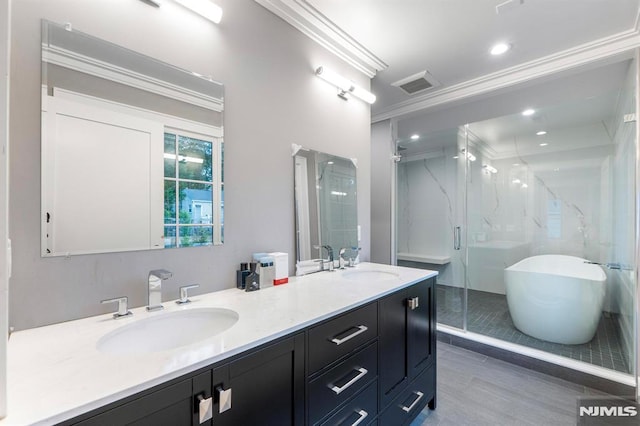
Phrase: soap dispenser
pixel 252 281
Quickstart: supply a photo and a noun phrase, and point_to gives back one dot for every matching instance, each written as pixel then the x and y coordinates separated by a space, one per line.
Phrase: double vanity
pixel 353 346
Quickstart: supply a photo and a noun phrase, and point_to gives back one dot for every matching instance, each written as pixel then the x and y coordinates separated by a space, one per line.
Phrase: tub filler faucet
pixel 155 279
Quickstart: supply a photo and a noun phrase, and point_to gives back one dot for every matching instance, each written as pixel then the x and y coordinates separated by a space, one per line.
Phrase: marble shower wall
pixel 427 210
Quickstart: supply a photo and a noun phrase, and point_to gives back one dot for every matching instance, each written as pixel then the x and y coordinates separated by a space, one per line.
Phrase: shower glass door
pixel 551 228
pixel 430 213
pixel 530 217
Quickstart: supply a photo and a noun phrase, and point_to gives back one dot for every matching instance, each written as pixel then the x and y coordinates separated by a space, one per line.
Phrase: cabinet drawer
pixel 332 388
pixel 361 410
pixel 336 338
pixel 412 400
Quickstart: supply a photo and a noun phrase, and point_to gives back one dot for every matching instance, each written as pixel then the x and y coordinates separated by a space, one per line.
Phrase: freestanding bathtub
pixel 556 298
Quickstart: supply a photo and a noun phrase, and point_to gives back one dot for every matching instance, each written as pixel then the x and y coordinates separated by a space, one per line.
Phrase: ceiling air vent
pixel 417 83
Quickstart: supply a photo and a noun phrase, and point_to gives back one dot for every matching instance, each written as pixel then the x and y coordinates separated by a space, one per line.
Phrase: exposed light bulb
pixel 500 48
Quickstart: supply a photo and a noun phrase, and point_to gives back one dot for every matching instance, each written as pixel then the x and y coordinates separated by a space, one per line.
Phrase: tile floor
pixel 488 314
pixel 477 390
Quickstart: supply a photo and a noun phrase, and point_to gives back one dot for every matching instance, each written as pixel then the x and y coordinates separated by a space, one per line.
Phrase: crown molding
pixel 560 61
pixel 308 20
pixel 88 65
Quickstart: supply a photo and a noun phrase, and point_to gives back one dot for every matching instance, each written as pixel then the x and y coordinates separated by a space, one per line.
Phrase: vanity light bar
pixel 204 8
pixel 489 168
pixel 182 158
pixel 345 86
pixel 469 155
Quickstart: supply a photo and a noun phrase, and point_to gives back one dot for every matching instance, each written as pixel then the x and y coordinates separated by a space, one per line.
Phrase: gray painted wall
pixel 272 99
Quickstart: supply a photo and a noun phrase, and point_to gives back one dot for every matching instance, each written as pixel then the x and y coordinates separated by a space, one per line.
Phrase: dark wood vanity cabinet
pixel 372 365
pixel 267 387
pixel 407 354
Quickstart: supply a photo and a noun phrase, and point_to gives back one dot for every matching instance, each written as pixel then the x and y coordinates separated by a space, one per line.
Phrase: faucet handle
pixel 123 310
pixel 184 296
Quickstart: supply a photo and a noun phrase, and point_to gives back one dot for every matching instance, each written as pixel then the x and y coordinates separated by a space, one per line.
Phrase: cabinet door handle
pixel 413 404
pixel 224 399
pixel 363 415
pixel 360 375
pixel 414 303
pixel 361 329
pixel 204 408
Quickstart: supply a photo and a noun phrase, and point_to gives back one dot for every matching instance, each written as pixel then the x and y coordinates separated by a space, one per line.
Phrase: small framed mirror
pixel 325 209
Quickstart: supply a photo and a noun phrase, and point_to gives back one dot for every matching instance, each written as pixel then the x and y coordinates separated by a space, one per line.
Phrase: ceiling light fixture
pixel 204 8
pixel 345 86
pixel 516 181
pixel 500 48
pixel 529 111
pixel 469 155
pixel 415 137
pixel 544 144
pixel 541 133
pixel 524 185
pixel 489 168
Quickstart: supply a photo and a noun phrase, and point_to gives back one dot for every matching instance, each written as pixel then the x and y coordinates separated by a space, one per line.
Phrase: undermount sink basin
pixel 369 275
pixel 168 331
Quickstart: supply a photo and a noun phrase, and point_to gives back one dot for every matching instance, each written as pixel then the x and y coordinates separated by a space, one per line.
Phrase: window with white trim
pixel 193 189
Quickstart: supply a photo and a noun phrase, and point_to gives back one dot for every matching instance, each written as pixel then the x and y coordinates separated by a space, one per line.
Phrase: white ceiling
pixel 451 38
pixel 569 60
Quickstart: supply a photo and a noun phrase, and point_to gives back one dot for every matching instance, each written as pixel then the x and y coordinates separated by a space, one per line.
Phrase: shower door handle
pixel 456 238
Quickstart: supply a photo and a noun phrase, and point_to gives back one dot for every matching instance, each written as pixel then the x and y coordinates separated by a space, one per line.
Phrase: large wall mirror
pixel 132 149
pixel 326 210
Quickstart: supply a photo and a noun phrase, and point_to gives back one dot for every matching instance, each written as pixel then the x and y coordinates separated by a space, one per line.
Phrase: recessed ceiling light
pixel 528 112
pixel 544 144
pixel 516 164
pixel 541 133
pixel 500 48
pixel 415 137
pixel 455 157
pixel 524 185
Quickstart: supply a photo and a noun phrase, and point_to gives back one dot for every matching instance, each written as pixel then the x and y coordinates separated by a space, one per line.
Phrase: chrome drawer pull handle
pixel 409 408
pixel 361 329
pixel 361 374
pixel 363 415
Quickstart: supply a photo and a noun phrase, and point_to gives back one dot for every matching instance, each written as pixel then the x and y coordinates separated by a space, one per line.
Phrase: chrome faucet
pixel 123 310
pixel 330 255
pixel 155 279
pixel 341 259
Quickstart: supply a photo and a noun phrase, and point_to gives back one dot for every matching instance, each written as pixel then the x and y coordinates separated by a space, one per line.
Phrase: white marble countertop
pixel 56 373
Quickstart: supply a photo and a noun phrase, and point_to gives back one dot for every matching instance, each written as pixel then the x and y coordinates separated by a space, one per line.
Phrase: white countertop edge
pixel 163 378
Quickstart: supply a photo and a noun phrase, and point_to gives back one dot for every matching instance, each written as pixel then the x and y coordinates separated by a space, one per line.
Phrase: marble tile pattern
pixel 56 372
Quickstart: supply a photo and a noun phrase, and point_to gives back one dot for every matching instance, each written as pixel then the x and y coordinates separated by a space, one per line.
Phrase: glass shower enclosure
pixel 530 218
